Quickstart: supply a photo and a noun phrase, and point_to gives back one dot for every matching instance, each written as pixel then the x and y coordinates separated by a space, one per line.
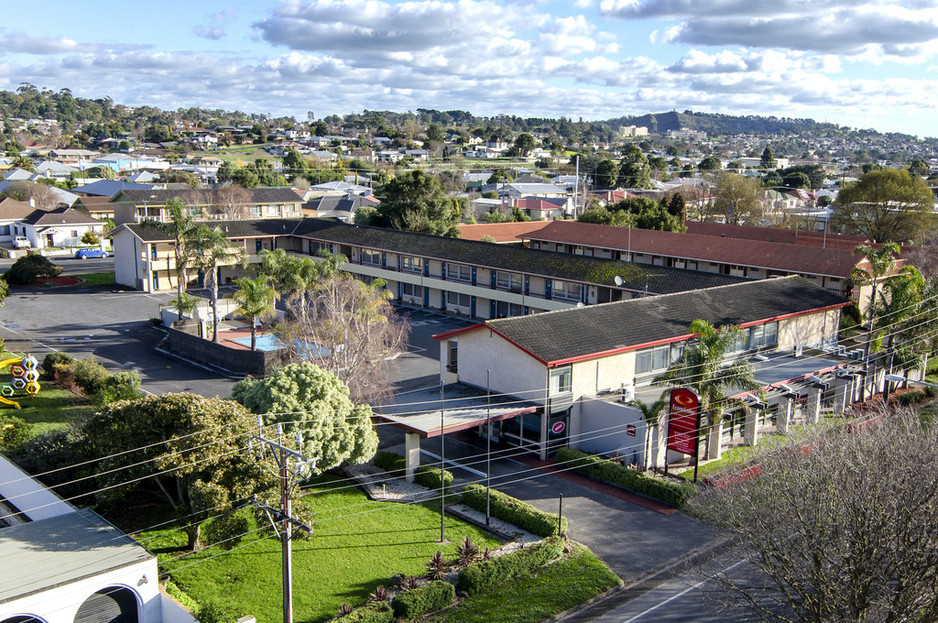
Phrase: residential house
pixel 63 227
pixel 109 188
pixel 76 158
pixel 539 208
pixel 503 233
pixel 342 207
pixel 55 170
pixel 99 208
pixel 12 212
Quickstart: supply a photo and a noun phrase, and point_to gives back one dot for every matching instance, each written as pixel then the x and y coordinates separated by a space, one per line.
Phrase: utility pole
pixel 282 456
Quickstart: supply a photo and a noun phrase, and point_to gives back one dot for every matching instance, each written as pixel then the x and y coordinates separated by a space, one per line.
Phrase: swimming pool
pixel 269 341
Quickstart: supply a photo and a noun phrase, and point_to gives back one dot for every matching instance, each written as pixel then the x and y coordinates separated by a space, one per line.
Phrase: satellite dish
pixel 618 280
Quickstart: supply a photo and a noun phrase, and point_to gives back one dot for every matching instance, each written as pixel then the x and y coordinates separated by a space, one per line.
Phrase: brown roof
pixel 94 204
pixel 774 234
pixel 502 232
pixel 739 251
pixel 12 209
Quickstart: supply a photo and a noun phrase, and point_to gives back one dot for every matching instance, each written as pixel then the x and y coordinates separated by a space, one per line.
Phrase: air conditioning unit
pixel 627 393
pixel 797 351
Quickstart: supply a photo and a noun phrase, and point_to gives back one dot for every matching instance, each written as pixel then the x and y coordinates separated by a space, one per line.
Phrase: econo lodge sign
pixel 683 421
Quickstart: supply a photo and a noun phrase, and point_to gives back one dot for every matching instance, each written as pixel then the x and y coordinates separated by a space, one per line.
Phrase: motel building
pixel 566 377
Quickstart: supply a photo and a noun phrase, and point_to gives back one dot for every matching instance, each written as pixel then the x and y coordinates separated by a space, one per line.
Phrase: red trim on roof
pixel 448 334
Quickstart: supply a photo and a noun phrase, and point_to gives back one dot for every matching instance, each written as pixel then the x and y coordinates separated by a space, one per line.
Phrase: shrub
pixel 215 612
pixel 931 392
pixel 89 375
pixel 514 511
pixel 425 475
pixel 49 361
pixel 466 552
pixel 29 268
pixel 14 433
pixel 372 613
pixel 417 602
pixel 613 473
pixel 118 386
pixel 436 566
pixel 912 397
pixel 89 238
pixel 228 530
pixel 483 575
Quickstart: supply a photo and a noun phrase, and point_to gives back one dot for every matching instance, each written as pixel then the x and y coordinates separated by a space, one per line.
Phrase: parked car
pixel 21 242
pixel 84 254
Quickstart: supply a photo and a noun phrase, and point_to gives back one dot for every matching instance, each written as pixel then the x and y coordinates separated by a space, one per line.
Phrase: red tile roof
pixel 502 232
pixel 787 258
pixel 773 234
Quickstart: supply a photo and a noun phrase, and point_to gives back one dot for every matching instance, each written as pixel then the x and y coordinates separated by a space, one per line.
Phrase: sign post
pixel 684 425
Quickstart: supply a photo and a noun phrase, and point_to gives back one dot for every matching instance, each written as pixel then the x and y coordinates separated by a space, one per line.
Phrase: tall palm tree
pixel 256 298
pixel 181 227
pixel 877 264
pixel 209 248
pixel 651 413
pixel 704 369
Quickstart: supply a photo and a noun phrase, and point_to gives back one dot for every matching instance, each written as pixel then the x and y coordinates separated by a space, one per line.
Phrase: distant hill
pixel 716 124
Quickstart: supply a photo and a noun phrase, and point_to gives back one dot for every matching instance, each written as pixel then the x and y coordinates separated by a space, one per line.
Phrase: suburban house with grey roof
pixel 63 227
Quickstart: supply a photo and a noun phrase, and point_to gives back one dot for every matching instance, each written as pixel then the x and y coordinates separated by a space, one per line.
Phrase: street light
pixel 898 378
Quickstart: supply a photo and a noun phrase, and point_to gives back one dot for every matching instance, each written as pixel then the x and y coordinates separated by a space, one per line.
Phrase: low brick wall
pixel 186 343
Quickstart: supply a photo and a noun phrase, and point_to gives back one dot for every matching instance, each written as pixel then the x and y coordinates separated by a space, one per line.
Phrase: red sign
pixel 630 430
pixel 683 420
pixel 557 427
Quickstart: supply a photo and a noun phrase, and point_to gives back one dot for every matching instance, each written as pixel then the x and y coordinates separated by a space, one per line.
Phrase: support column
pixel 715 441
pixel 783 419
pixel 751 426
pixel 813 408
pixel 842 394
pixel 411 455
pixel 545 423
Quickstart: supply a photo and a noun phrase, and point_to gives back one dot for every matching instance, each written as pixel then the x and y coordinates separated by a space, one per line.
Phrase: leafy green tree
pixel 315 403
pixel 181 226
pixel 703 369
pixel 255 299
pixel 102 172
pixel 710 163
pixel 14 433
pixel 524 143
pixel 796 180
pixel 677 207
pixel 209 249
pixel 182 449
pixel 295 164
pixel 4 291
pixel 607 173
pixel 634 171
pixel 919 167
pixel 738 198
pixel 185 304
pixel 29 268
pixel 768 159
pixel 886 205
pixel 415 201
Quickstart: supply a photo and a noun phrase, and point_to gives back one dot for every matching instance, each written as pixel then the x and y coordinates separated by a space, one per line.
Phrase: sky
pixel 857 63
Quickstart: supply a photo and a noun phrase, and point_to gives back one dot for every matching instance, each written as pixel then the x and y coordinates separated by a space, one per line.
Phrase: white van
pixel 21 242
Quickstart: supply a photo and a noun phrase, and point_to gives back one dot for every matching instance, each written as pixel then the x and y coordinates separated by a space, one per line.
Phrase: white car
pixel 21 242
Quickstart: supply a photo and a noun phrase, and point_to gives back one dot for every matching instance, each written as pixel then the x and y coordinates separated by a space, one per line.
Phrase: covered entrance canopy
pixel 428 413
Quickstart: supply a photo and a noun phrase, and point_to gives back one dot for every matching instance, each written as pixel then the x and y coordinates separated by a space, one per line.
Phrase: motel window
pixel 460 272
pixel 273 210
pixel 371 257
pixel 410 289
pixel 657 359
pixel 412 264
pixel 507 310
pixel 561 380
pixel 567 290
pixel 458 299
pixel 254 211
pixel 509 281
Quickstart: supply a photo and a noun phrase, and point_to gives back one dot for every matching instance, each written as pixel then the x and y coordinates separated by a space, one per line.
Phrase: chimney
pixel 32 202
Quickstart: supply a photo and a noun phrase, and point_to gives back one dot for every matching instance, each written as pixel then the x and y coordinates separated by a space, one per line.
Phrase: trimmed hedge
pixel 419 601
pixel 912 397
pixel 425 475
pixel 481 576
pixel 370 613
pixel 621 476
pixel 49 361
pixel 514 511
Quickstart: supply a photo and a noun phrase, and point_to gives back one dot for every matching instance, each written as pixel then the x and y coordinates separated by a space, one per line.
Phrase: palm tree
pixel 651 412
pixel 185 304
pixel 256 298
pixel 208 248
pixel 181 227
pixel 703 369
pixel 875 266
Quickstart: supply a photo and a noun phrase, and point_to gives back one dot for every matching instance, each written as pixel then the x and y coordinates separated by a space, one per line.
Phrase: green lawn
pixel 357 545
pixel 96 279
pixel 559 587
pixel 52 408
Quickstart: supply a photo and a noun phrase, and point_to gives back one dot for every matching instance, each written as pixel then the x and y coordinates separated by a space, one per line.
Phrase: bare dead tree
pixel 38 195
pixel 349 328
pixel 231 201
pixel 842 525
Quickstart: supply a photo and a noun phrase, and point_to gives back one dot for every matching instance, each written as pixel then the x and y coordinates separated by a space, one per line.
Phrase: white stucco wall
pixel 606 374
pixel 605 429
pixel 126 258
pixel 511 370
pixel 809 329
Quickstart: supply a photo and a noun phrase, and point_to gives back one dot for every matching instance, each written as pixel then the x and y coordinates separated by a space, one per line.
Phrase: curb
pixel 627 591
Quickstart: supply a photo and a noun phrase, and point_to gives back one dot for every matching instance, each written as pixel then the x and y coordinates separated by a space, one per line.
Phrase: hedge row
pixel 425 475
pixel 482 576
pixel 621 476
pixel 419 601
pixel 91 378
pixel 369 613
pixel 514 511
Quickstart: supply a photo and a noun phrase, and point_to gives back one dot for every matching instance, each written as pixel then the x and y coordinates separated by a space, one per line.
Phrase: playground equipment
pixel 25 373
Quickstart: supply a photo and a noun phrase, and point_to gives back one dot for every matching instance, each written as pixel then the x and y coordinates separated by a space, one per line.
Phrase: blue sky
pixel 860 63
